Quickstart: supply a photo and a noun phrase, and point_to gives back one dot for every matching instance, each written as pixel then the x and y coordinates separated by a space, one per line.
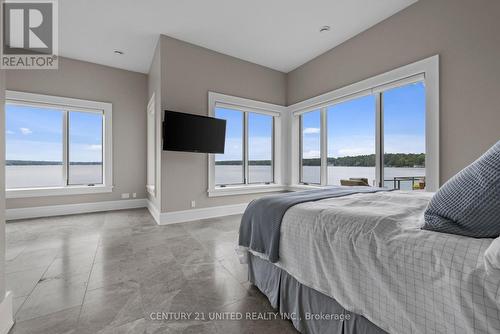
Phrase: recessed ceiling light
pixel 324 28
pixel 118 52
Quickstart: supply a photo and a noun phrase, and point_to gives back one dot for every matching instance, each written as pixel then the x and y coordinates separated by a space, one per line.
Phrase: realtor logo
pixel 29 39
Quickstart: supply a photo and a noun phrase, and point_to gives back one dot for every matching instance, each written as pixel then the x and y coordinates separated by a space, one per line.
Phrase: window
pixel 310 147
pixel 240 166
pixel 404 137
pixel 229 166
pixel 56 146
pixel 85 148
pixel 34 147
pixel 383 131
pixel 251 159
pixel 351 141
pixel 260 148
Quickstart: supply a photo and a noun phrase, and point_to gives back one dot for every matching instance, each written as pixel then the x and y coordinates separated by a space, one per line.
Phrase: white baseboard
pixel 71 209
pixel 162 218
pixel 6 314
pixel 174 217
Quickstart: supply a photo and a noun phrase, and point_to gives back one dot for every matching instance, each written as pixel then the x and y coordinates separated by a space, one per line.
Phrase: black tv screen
pixel 193 133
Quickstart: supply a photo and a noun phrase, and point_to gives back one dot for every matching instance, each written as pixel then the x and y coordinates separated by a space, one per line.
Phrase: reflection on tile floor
pixel 107 272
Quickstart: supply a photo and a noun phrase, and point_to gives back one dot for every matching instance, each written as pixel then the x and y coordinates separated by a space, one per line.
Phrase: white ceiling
pixel 280 34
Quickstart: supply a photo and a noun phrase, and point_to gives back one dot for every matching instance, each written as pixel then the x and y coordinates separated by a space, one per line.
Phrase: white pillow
pixel 492 257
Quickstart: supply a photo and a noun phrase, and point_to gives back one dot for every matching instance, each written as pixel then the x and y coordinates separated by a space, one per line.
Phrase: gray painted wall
pixel 466 36
pixel 126 90
pixel 188 73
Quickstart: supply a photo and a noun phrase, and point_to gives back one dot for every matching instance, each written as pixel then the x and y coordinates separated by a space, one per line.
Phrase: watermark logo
pixel 30 34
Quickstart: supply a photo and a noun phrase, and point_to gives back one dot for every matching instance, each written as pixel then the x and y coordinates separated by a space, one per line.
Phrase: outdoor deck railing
pixel 416 182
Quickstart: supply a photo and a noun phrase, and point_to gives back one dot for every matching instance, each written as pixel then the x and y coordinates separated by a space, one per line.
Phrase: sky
pixel 36 134
pixel 351 127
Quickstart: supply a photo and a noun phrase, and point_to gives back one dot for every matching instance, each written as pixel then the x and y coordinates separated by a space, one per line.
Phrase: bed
pixel 363 260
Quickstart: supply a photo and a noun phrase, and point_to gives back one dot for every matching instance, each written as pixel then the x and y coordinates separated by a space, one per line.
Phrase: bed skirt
pixel 309 310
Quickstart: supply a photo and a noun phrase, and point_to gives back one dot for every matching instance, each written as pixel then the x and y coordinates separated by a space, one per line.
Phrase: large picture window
pixel 382 131
pixel 251 159
pixel 56 146
pixel 353 135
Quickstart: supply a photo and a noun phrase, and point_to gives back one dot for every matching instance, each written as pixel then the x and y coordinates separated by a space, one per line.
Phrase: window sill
pixel 298 187
pixel 56 191
pixel 245 189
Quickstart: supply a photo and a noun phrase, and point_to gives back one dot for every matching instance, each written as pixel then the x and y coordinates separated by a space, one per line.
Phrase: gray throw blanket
pixel 261 223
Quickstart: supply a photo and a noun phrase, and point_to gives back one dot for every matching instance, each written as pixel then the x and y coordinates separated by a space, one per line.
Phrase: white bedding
pixel 368 252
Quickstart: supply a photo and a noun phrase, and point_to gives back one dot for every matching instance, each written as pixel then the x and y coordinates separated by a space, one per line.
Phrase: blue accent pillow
pixel 469 203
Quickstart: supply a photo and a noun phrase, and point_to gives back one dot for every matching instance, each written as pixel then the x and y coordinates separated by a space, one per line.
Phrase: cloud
pixel 342 146
pixel 33 150
pixel 309 131
pixel 404 143
pixel 94 147
pixel 25 131
pixel 9 132
pixel 259 148
pixel 311 154
pixel 232 150
pixel 354 151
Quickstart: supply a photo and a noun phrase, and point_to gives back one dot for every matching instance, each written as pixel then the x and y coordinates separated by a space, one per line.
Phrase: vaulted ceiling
pixel 279 34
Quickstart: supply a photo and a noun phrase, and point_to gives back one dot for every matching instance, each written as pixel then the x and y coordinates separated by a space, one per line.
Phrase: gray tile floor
pixel 107 272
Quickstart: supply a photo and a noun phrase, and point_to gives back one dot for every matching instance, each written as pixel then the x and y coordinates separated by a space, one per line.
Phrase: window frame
pixel 217 100
pixel 426 71
pixel 68 105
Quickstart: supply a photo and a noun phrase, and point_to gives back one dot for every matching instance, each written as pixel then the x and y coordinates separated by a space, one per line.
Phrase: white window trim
pixel 74 105
pixel 426 69
pixel 151 160
pixel 247 105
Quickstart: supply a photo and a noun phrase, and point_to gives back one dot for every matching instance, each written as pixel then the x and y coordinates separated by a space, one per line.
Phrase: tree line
pixel 390 160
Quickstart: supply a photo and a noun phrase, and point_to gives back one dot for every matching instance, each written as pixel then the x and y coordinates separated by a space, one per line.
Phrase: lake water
pixel 234 174
pixel 50 176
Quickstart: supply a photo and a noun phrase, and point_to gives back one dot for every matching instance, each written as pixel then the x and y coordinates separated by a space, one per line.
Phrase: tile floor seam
pixel 88 281
pixel 29 294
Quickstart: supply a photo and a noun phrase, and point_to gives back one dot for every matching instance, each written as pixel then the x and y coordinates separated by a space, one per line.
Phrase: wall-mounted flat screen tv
pixel 193 133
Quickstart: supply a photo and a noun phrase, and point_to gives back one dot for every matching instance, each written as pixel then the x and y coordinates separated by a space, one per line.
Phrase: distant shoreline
pixel 399 160
pixel 47 163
